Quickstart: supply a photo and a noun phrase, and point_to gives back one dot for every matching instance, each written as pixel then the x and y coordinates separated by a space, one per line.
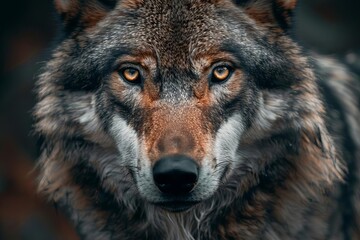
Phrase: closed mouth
pixel 176 206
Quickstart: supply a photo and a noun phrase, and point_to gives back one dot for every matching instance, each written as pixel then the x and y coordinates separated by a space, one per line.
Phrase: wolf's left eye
pixel 221 74
pixel 131 75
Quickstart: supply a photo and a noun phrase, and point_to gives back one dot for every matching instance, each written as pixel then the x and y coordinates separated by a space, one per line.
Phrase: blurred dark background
pixel 28 29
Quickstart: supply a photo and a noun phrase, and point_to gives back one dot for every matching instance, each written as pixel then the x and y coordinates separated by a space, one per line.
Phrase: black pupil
pixel 132 71
pixel 221 70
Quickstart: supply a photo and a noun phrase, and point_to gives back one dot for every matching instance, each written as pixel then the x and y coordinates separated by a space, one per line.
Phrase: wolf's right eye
pixel 131 75
pixel 221 74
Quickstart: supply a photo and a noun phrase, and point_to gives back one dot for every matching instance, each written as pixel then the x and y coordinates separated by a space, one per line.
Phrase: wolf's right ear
pixel 83 14
pixel 279 12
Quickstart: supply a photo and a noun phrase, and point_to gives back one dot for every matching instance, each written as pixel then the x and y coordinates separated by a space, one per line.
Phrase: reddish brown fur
pixel 131 4
pixel 176 133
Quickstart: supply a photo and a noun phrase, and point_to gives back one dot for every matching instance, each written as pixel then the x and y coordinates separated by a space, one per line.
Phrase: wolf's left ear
pixel 81 14
pixel 270 11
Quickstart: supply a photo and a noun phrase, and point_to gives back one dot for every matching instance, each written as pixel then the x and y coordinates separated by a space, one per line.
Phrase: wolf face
pixel 179 105
pixel 177 108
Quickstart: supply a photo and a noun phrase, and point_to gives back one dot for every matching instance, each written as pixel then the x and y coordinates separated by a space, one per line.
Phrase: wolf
pixel 197 119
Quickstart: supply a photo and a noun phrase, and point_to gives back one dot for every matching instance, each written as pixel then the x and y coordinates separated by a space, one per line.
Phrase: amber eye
pixel 131 75
pixel 221 74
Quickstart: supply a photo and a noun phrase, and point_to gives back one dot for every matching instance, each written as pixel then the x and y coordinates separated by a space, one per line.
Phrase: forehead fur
pixel 174 29
pixel 174 33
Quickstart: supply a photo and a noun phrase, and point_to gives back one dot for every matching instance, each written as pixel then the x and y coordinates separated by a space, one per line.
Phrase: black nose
pixel 176 174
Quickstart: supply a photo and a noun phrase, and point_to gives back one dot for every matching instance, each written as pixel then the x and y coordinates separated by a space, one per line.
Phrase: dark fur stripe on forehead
pixel 264 63
pixel 175 83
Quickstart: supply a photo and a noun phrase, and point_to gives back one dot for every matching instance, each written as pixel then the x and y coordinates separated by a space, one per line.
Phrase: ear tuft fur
pixel 77 14
pixel 283 11
pixel 271 12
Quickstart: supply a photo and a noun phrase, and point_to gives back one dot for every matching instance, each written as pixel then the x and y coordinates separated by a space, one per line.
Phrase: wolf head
pixel 186 98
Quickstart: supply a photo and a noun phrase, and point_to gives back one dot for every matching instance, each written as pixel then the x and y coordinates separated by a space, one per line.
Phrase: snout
pixel 176 174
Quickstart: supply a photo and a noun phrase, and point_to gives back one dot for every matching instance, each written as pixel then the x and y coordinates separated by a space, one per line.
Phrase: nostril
pixel 176 174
